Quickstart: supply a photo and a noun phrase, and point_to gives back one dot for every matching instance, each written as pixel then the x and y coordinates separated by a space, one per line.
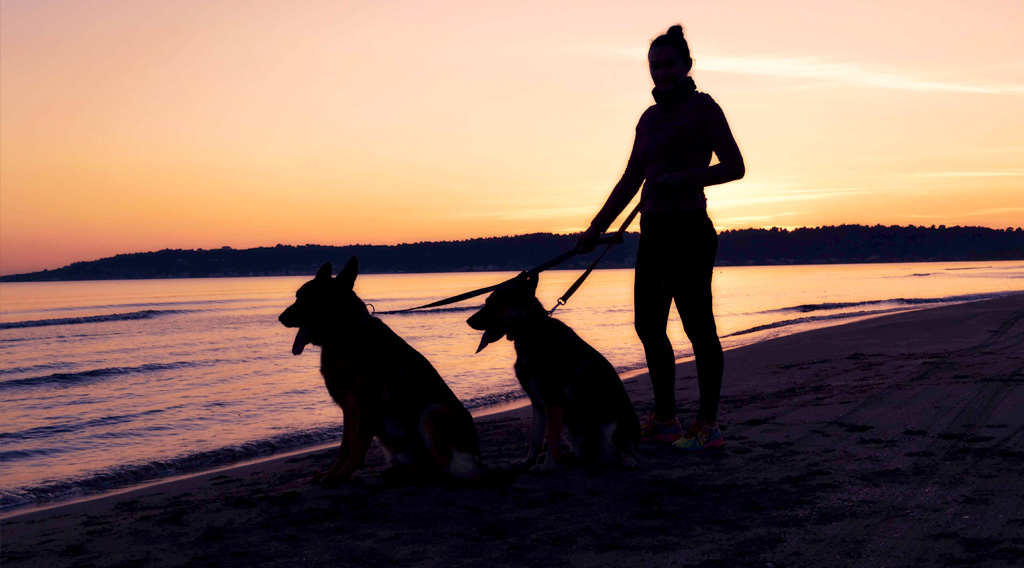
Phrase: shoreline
pixel 895 440
pixel 508 407
pixel 15 278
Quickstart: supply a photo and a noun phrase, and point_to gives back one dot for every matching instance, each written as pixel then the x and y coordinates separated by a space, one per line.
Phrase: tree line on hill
pixel 820 245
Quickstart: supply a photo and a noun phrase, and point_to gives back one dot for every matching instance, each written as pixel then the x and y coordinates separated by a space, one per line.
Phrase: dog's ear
pixel 325 271
pixel 347 276
pixel 531 283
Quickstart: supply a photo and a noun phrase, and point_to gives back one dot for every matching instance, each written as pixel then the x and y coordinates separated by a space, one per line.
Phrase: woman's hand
pixel 588 240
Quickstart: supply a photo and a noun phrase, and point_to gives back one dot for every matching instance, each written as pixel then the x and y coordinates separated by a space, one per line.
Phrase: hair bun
pixel 673 38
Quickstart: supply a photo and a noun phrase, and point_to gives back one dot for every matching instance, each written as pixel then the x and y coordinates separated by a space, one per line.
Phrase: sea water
pixel 105 384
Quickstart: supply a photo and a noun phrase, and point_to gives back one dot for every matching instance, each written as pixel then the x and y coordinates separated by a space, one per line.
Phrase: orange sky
pixel 137 125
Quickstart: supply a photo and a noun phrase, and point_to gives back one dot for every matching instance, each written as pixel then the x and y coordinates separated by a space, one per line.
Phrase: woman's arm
pixel 730 162
pixel 623 192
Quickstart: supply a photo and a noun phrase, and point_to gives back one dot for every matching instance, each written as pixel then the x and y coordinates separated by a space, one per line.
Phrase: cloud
pixel 969 174
pixel 994 211
pixel 976 213
pixel 579 211
pixel 809 68
pixel 814 68
pixel 738 197
pixel 755 218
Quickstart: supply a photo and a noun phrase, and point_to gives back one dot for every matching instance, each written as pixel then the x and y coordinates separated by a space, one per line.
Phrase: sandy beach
pixel 895 441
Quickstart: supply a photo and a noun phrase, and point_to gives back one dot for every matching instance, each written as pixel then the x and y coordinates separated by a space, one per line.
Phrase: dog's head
pixel 324 306
pixel 506 309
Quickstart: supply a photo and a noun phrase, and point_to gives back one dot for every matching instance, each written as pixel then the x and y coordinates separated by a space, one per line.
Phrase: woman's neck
pixel 672 97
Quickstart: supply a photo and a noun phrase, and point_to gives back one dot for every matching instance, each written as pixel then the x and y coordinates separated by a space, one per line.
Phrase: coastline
pixel 580 265
pixel 738 247
pixel 859 441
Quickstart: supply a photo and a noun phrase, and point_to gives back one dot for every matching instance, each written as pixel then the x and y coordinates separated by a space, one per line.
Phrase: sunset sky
pixel 137 125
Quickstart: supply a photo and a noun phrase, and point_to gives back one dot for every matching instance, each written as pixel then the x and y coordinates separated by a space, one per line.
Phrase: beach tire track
pixel 840 422
pixel 969 512
pixel 1000 331
pixel 934 363
pixel 941 478
pixel 950 479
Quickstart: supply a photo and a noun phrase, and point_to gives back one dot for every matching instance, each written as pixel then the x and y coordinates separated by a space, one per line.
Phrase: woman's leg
pixel 692 293
pixel 652 299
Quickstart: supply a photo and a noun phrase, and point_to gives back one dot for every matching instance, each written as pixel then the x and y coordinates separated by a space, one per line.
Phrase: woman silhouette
pixel 672 154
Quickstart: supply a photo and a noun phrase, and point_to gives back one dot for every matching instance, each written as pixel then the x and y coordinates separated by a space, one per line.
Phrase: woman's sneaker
pixel 700 436
pixel 665 432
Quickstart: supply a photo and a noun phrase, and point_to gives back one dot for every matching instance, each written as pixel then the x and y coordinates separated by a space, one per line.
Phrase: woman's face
pixel 668 67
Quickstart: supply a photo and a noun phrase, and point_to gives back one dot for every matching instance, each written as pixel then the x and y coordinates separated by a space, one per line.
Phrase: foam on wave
pixel 144 314
pixel 804 308
pixel 899 305
pixel 70 379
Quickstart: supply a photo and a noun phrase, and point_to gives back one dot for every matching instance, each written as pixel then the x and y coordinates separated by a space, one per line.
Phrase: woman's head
pixel 669 59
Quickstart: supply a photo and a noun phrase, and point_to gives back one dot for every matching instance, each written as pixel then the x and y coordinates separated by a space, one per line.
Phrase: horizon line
pixel 561 234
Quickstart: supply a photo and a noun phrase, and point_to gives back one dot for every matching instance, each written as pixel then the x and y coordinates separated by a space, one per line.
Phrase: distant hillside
pixel 840 244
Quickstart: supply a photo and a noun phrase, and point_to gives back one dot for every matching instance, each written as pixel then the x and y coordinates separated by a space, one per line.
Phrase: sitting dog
pixel 386 389
pixel 569 383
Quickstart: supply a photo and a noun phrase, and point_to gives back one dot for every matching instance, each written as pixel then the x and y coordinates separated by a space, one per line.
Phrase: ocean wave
pixel 493 399
pixel 144 314
pixel 811 319
pixel 16 455
pixel 69 379
pixel 902 305
pixel 39 367
pixel 804 308
pixel 191 305
pixel 62 428
pixel 135 473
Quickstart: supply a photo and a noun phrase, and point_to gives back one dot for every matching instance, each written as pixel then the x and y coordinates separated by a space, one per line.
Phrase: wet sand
pixel 896 441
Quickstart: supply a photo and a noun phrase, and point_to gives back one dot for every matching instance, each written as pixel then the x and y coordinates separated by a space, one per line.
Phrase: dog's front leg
pixel 350 415
pixel 357 453
pixel 536 438
pixel 553 435
pixel 355 443
pixel 360 445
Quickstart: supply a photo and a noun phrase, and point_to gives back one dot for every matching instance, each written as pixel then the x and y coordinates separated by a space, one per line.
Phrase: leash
pixel 611 240
pixel 615 239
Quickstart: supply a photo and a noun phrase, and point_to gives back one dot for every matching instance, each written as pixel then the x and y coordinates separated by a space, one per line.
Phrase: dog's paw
pixel 628 462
